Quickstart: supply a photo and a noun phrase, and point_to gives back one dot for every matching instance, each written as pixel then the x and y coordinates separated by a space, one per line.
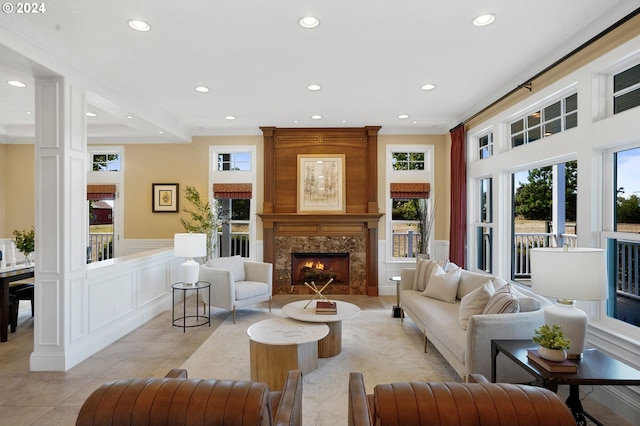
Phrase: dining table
pixel 7 276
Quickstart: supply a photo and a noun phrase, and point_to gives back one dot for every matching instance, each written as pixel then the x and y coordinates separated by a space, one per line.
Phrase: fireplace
pixel 320 268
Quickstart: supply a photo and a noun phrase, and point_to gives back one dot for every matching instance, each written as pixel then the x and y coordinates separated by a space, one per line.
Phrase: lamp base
pixel 573 322
pixel 190 271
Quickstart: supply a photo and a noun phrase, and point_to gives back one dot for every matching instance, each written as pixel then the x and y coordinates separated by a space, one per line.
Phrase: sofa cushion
pixel 247 289
pixel 474 303
pixel 470 281
pixel 235 264
pixel 443 285
pixel 503 301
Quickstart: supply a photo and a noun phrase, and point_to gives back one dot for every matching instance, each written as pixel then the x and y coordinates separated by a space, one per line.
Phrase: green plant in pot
pixel 25 242
pixel 552 344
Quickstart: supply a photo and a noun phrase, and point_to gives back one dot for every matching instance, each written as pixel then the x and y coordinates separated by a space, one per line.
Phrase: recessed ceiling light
pixel 160 132
pixel 314 87
pixel 295 121
pixel 139 25
pixel 316 117
pixel 428 86
pixel 130 117
pixel 16 83
pixel 28 112
pixel 484 19
pixel 344 121
pixel 403 116
pixel 202 89
pixel 309 22
pixel 229 117
pixel 91 114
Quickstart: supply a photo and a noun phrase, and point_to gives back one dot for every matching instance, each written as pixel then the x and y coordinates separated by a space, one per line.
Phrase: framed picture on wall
pixel 165 197
pixel 321 183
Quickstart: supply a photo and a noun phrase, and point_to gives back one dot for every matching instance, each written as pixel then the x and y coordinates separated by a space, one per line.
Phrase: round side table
pixel 199 319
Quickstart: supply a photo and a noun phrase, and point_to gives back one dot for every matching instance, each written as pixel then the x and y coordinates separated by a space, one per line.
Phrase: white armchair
pixel 237 282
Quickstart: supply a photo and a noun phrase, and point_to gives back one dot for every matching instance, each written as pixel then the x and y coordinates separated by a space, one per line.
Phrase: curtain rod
pixel 528 82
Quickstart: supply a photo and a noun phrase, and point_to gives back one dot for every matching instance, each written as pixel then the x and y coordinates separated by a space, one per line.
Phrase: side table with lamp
pixel 189 245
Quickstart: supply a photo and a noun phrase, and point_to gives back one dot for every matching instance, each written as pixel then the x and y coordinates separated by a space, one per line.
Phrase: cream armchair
pixel 237 282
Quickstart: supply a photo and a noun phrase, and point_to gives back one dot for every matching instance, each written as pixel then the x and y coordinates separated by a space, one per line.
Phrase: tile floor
pixel 54 398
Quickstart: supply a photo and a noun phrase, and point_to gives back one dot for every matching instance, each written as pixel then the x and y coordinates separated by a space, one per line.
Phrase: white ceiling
pixel 369 56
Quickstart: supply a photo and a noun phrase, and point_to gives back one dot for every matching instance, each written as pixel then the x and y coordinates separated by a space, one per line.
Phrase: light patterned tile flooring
pixel 54 398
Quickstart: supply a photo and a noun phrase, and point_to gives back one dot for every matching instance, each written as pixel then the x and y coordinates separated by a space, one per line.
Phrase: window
pixel 405 227
pixel 407 161
pixel 485 146
pixel 236 161
pixel 484 230
pixel 554 118
pixel 105 162
pixel 626 89
pixel 235 234
pixel 537 221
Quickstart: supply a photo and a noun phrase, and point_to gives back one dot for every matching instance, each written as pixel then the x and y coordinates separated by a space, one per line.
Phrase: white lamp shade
pixel 572 274
pixel 190 245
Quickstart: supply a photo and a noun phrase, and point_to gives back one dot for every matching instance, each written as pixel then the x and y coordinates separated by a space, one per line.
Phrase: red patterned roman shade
pixel 405 191
pixel 232 191
pixel 101 192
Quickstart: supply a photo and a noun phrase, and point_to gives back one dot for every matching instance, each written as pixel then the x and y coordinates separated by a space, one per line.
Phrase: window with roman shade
pixel 101 192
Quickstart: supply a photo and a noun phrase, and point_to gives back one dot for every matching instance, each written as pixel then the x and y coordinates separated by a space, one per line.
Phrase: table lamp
pixel 190 246
pixel 569 274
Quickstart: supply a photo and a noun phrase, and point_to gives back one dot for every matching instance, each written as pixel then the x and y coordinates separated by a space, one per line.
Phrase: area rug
pixel 384 349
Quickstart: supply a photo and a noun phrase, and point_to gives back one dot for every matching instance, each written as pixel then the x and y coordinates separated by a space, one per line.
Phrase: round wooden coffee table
pixel 331 345
pixel 278 345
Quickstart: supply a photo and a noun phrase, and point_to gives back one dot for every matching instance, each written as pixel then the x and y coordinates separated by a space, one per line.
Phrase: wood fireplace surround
pixel 353 230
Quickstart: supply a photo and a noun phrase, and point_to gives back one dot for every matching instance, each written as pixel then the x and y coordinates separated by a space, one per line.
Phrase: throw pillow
pixel 443 285
pixel 529 304
pixel 503 301
pixel 474 303
pixel 498 283
pixel 420 277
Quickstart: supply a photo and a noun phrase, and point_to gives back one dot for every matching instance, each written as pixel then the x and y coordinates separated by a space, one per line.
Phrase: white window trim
pixel 402 176
pixel 236 176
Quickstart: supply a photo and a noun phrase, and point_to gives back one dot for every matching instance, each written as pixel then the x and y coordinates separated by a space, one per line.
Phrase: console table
pixel 595 368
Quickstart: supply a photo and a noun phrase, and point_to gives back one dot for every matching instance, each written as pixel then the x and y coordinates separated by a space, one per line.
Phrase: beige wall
pixel 17 193
pixel 186 164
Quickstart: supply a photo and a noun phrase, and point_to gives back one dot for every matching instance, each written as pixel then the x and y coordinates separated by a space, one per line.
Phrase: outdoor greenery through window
pixel 556 117
pixel 626 89
pixel 408 160
pixel 105 162
pixel 234 235
pixel 626 250
pixel 405 227
pixel 537 222
pixel 485 146
pixel 236 161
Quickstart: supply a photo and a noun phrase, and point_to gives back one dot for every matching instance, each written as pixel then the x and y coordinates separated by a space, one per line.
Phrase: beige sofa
pixel 468 350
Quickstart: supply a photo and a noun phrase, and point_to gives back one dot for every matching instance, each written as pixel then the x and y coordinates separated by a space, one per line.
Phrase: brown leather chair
pixel 177 400
pixel 469 404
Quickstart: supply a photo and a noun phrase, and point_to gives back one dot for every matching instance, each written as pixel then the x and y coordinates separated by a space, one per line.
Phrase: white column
pixel 61 223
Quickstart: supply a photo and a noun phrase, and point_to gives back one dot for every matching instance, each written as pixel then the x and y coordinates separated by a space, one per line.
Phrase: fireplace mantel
pixel 283 221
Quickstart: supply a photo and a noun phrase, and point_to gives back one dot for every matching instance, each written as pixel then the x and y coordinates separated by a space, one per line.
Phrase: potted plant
pixel 552 344
pixel 25 243
pixel 202 219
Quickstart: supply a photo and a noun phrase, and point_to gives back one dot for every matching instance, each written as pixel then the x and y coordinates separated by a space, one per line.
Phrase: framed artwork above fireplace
pixel 321 183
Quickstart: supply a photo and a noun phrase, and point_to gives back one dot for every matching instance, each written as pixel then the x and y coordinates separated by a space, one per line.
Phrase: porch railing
pixel 628 269
pixel 524 242
pixel 100 247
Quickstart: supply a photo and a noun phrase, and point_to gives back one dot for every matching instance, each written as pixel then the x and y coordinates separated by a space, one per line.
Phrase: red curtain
pixel 458 222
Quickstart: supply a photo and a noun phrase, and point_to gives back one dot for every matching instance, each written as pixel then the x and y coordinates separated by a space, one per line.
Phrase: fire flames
pixel 315 265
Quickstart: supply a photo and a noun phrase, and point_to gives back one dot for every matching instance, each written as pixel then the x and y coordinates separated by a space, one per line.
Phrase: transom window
pixel 553 118
pixel 407 160
pixel 235 161
pixel 485 146
pixel 626 89
pixel 105 162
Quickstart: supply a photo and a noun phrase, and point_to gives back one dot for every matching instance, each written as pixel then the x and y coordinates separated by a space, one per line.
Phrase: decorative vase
pixel 552 354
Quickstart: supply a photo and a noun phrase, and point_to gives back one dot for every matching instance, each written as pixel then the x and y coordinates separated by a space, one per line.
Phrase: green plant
pixel 25 241
pixel 202 218
pixel 551 337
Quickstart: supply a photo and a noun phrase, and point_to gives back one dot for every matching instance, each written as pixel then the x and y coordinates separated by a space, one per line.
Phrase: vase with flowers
pixel 25 243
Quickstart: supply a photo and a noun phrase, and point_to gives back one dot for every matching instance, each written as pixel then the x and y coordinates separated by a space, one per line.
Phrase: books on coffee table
pixel 326 307
pixel 552 366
